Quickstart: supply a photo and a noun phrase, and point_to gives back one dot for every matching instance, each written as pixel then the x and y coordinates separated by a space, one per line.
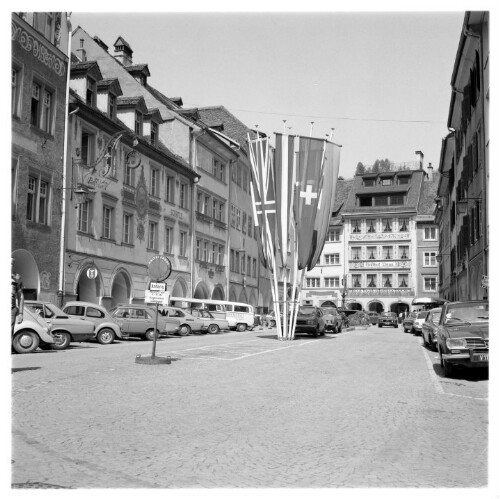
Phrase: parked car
pixel 31 333
pixel 463 335
pixel 310 320
pixel 373 317
pixel 429 328
pixel 107 329
pixel 211 324
pixel 419 320
pixel 333 320
pixel 65 329
pixel 139 321
pixel 388 319
pixel 408 322
pixel 188 323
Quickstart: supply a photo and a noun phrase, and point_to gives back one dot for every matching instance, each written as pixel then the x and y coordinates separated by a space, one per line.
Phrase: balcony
pixel 382 292
pixel 403 263
pixel 379 236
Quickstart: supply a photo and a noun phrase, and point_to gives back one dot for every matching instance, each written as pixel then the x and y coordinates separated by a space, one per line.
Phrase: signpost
pixel 159 269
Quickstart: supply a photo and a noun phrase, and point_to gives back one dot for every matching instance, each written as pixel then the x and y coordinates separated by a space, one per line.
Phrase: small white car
pixel 418 322
pixel 32 333
pixel 188 323
pixel 211 324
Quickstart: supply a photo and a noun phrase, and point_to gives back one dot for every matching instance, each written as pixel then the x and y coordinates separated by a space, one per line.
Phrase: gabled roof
pixel 153 114
pixel 134 102
pixel 86 68
pixel 428 193
pixel 138 68
pixel 341 194
pixel 121 41
pixel 111 85
pixel 162 98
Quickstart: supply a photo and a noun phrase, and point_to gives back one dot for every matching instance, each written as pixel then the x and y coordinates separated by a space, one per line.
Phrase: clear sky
pixel 381 79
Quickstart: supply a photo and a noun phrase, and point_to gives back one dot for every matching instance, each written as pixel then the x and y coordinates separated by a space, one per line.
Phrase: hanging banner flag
pixel 309 178
pixel 326 201
pixel 284 160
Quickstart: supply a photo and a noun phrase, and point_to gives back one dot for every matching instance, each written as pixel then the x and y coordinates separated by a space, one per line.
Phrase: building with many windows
pixel 39 76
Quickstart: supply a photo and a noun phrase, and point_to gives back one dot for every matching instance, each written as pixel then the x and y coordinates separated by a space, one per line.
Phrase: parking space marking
pixel 435 381
pixel 217 352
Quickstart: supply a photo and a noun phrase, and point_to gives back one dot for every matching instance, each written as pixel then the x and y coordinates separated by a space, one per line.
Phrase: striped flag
pixel 284 160
pixel 309 178
pixel 326 201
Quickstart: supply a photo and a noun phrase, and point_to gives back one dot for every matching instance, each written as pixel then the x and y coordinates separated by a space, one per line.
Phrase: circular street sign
pixel 91 273
pixel 159 268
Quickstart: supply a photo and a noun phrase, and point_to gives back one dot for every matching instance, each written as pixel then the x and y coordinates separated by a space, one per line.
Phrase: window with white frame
pixel 154 133
pixel 169 189
pixel 371 225
pixel 371 252
pixel 332 259
pixel 430 233
pixel 386 181
pixel 199 202
pixel 153 236
pixel 182 243
pixel 371 280
pixel 333 236
pixel 183 195
pixel 312 282
pixel 387 252
pixel 244 223
pixel 356 280
pixel 404 224
pixel 404 252
pixel 356 225
pixel 221 255
pixel 128 227
pixel 429 258
pixel 356 253
pixel 430 283
pixel 233 215
pixel 206 204
pixel 154 182
pixel 219 169
pixel 387 224
pixel 16 91
pixel 254 267
pixel 107 222
pixel 387 280
pixel 87 148
pixel 85 216
pixel 213 253
pixel 332 282
pixel 37 202
pixel 198 249
pixel 112 106
pixel 90 97
pixel 238 218
pixel 138 120
pixel 205 251
pixel 43 22
pixel 169 238
pixel 403 280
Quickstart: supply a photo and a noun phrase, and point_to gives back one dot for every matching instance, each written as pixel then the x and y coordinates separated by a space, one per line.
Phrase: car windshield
pixel 467 312
pixel 307 310
pixel 422 315
pixel 388 314
pixel 330 311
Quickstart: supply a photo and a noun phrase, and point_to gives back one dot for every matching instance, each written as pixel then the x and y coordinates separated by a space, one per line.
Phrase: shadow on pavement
pixel 297 337
pixel 18 369
pixel 467 374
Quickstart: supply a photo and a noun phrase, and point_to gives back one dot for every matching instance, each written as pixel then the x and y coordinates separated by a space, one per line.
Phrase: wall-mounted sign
pixel 91 273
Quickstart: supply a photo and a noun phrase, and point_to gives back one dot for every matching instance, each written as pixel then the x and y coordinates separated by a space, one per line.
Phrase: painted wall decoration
pixel 45 279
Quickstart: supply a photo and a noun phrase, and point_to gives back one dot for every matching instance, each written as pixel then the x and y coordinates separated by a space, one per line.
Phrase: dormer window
pixel 154 133
pixel 403 180
pixel 138 123
pixel 386 181
pixel 90 98
pixel 43 22
pixel 112 106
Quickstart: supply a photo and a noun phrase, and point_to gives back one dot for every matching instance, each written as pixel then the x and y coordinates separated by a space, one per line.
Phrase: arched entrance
pixel 243 297
pixel 201 291
pixel 180 288
pixel 27 268
pixel 375 306
pixel 232 295
pixel 88 288
pixel 400 307
pixel 218 293
pixel 120 290
pixel 355 306
pixel 328 303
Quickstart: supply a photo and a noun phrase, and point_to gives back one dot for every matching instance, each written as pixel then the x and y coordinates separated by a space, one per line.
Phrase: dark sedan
pixel 430 326
pixel 388 319
pixel 463 335
pixel 310 320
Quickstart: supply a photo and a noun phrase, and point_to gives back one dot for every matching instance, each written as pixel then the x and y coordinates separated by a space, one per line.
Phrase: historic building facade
pixel 462 209
pixel 39 76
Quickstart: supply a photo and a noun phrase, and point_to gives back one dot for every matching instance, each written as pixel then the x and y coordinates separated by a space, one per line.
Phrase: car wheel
pixel 106 336
pixel 184 330
pixel 241 327
pixel 213 329
pixel 150 334
pixel 316 332
pixel 380 325
pixel 273 323
pixel 448 368
pixel 339 329
pixel 62 340
pixel 25 342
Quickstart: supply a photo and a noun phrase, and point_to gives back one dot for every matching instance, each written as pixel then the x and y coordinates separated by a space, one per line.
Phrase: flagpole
pixel 284 127
pixel 331 134
pixel 312 126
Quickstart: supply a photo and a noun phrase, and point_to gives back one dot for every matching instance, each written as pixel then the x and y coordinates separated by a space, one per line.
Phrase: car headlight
pixel 456 343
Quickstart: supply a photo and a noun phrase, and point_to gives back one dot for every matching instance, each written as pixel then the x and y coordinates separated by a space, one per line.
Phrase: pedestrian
pixel 17 304
pixel 400 317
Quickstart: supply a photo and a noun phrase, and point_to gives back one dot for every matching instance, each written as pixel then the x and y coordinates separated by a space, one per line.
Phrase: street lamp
pixel 463 204
pixel 439 258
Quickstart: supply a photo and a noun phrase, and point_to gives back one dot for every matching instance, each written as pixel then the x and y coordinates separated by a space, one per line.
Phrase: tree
pixel 360 168
pixel 376 166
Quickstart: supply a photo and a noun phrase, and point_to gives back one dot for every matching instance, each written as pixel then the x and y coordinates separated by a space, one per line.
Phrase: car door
pixel 94 315
pixel 140 321
pixel 122 317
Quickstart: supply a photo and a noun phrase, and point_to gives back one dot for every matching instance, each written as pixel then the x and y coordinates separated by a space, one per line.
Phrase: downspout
pixel 60 291
pixel 228 233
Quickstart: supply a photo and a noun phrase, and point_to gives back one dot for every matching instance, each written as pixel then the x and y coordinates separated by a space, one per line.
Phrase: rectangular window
pixel 91 92
pixel 404 224
pixel 37 202
pixel 380 200
pixel 31 201
pixel 182 243
pixel 84 214
pixel 112 106
pixel 396 199
pixel 371 252
pixel 169 239
pixel 429 259
pixel 386 181
pixel 169 189
pixel 387 252
pixel 387 224
pixel 243 270
pixel 332 282
pixel 356 252
pixel 206 205
pixel 312 282
pixel 254 267
pixel 371 280
pixel 369 182
pixel 154 133
pixel 47 111
pixel 154 184
pixel 333 236
pixel 371 225
pixel 199 202
pixel 198 249
pixel 238 218
pixel 219 170
pixel 16 91
pixel 387 280
pixel 220 213
pixel 35 104
pixel 183 195
pixel 221 255
pixel 213 253
pixel 153 236
pixel 430 284
pixel 87 148
pixel 430 234
pixel 205 251
pixel 403 280
pixel 250 225
pixel 13 178
pixel 231 261
pixel 233 216
pixel 244 223
pixel 356 280
pixel 404 252
pixel 107 222
pixel 138 123
pixel 332 259
pixel 403 180
pixel 356 225
pixel 43 22
pixel 127 228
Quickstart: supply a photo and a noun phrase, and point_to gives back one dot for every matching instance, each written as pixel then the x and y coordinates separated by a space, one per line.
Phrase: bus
pixel 240 316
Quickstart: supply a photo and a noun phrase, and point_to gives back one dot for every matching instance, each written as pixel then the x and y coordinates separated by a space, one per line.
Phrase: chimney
pixel 420 154
pixel 80 51
pixel 430 172
pixel 123 52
